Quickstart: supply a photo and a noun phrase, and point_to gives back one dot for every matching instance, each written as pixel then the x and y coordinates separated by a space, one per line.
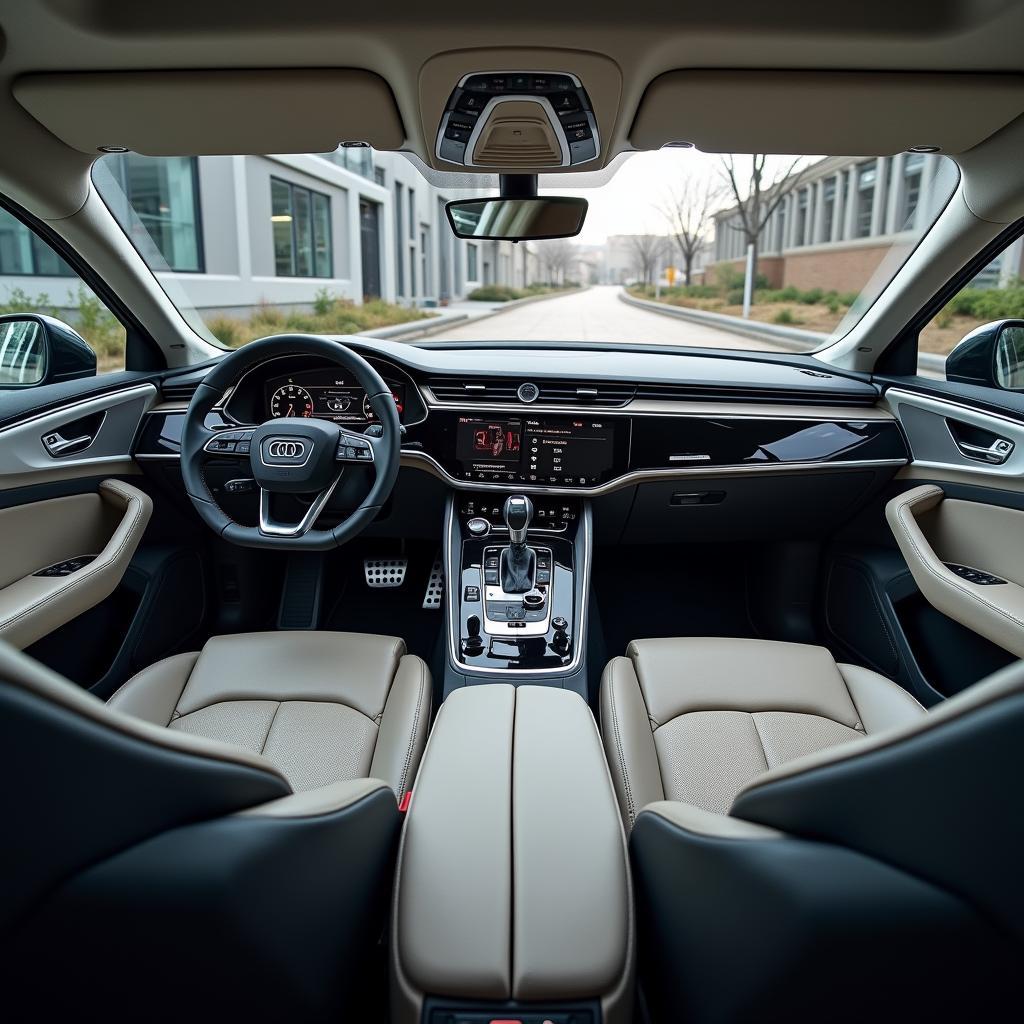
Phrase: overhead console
pixel 522 120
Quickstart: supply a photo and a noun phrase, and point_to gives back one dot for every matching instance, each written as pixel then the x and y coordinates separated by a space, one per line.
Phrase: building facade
pixel 835 225
pixel 237 232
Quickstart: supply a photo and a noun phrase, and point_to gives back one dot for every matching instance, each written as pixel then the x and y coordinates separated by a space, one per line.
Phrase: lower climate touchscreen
pixel 577 452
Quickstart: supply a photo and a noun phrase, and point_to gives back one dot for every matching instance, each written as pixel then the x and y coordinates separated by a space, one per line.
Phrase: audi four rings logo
pixel 292 450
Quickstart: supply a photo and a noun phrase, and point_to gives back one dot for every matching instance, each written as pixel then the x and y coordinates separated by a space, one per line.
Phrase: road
pixel 595 314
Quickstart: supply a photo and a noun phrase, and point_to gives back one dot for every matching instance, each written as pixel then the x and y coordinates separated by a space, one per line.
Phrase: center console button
pixel 533 599
pixel 478 527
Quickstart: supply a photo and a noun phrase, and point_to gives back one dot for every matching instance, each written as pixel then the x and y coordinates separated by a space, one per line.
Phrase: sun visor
pixel 196 113
pixel 824 112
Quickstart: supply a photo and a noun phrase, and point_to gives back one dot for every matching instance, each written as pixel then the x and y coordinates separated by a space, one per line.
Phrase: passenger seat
pixel 696 719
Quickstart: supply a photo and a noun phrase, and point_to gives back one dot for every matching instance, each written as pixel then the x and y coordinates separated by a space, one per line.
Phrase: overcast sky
pixel 629 204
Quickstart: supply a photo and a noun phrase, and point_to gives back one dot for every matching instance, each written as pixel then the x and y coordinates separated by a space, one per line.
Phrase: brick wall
pixel 768 267
pixel 842 270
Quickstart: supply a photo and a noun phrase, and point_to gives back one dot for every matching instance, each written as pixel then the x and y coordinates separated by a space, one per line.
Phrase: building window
pixel 412 214
pixel 424 259
pixel 399 242
pixel 378 175
pixel 164 194
pixel 21 252
pixel 913 171
pixel 867 176
pixel 801 217
pixel 471 266
pixel 301 223
pixel 828 202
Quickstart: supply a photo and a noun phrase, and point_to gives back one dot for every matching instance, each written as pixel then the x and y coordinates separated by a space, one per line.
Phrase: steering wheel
pixel 291 455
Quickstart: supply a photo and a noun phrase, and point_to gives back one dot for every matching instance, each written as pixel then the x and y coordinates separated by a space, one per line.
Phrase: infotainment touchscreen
pixel 563 451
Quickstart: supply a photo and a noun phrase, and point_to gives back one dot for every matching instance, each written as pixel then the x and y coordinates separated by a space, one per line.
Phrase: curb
pixel 786 337
pixel 425 328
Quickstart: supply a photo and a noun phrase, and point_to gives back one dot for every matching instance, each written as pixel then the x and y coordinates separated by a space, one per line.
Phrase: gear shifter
pixel 517 560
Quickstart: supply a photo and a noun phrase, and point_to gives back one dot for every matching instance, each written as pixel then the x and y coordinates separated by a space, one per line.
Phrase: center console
pixel 512 897
pixel 519 568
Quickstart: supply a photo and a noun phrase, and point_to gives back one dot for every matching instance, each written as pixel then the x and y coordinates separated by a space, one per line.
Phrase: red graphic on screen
pixel 495 442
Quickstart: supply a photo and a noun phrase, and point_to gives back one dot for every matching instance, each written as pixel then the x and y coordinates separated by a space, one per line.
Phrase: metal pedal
pixel 384 572
pixel 435 586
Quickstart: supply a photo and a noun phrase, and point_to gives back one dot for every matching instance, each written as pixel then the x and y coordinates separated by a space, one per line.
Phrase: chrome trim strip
pixel 688 408
pixel 454 588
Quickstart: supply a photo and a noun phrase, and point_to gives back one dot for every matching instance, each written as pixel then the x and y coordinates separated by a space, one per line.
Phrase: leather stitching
pixel 925 560
pixel 412 736
pixel 99 566
pixel 613 715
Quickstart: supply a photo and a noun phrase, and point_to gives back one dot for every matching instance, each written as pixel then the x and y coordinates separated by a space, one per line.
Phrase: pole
pixel 748 284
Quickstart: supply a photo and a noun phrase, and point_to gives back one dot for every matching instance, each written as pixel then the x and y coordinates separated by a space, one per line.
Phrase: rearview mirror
pixel 990 356
pixel 517 220
pixel 37 350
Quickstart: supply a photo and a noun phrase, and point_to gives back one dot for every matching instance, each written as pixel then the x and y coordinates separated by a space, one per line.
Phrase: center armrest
pixel 513 882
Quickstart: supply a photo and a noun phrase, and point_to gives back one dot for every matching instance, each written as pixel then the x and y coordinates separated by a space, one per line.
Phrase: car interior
pixel 477 682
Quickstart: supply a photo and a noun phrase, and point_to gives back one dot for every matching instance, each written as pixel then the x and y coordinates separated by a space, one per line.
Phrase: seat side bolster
pixel 629 740
pixel 698 821
pixel 153 694
pixel 881 703
pixel 403 726
pixel 316 802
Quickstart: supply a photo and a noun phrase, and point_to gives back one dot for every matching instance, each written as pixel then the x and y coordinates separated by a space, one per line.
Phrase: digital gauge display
pixel 329 394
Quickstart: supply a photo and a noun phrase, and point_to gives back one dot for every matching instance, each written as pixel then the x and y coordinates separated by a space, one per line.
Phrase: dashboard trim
pixel 420 460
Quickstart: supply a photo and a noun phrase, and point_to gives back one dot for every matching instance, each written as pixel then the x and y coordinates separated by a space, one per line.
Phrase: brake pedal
pixel 385 572
pixel 435 586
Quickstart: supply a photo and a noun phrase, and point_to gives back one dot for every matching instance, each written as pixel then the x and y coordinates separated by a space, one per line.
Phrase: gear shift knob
pixel 518 513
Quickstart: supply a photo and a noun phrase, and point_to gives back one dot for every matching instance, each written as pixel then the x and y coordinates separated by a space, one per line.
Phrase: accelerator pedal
pixel 435 586
pixel 385 572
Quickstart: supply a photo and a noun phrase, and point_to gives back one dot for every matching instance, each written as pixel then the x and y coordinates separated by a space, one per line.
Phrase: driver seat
pixel 323 707
pixel 210 844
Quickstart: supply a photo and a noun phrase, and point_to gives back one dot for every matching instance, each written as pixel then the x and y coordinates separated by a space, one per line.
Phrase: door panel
pixel 86 438
pixel 948 437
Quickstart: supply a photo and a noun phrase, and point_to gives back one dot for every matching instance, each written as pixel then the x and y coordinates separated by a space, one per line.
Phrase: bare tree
pixel 556 257
pixel 688 211
pixel 647 252
pixel 759 197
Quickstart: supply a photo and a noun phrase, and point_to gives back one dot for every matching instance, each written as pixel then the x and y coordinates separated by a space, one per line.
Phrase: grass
pixel 817 310
pixel 502 293
pixel 330 315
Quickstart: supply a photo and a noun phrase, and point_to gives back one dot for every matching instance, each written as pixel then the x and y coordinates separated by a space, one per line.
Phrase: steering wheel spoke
pixel 271 527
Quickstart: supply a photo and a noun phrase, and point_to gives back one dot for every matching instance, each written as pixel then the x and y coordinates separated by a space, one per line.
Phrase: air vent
pixel 792 396
pixel 551 392
pixel 178 389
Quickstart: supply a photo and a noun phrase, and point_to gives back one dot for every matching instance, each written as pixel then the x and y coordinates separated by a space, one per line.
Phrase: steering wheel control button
pixel 242 485
pixel 229 442
pixel 354 449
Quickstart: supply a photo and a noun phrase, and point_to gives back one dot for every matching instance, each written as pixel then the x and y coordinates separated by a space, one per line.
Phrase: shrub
pixel 734 297
pixel 99 327
pixel 322 302
pixel 785 316
pixel 495 293
pixel 811 297
pixel 945 317
pixel 226 329
pixel 832 302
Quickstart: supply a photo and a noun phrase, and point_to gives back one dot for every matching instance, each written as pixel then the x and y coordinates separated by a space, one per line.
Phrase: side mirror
pixel 37 350
pixel 991 356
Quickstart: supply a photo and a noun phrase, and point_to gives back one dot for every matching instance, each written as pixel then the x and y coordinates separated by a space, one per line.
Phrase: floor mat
pixel 677 590
pixel 389 611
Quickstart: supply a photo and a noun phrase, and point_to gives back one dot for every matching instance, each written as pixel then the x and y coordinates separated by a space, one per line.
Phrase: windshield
pixel 679 247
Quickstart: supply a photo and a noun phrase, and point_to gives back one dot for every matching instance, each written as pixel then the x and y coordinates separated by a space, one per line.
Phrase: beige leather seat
pixel 323 707
pixel 696 719
pixel 158 851
pixel 838 880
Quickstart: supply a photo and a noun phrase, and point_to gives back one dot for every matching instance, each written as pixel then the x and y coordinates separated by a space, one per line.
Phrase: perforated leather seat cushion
pixel 697 719
pixel 323 707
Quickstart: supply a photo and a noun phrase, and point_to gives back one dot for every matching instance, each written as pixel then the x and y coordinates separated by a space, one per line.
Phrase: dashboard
pixel 583 422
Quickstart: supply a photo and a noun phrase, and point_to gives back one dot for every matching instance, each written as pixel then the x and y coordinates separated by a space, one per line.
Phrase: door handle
pixel 996 453
pixel 56 444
